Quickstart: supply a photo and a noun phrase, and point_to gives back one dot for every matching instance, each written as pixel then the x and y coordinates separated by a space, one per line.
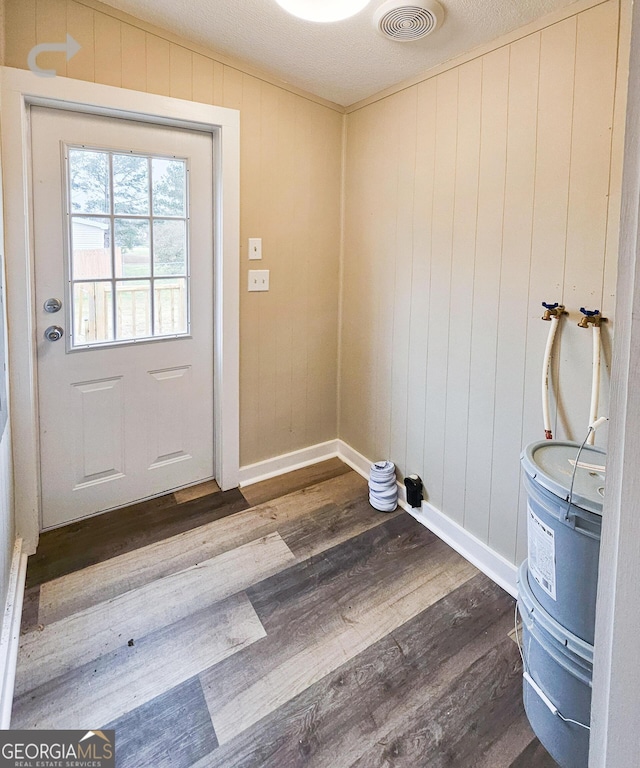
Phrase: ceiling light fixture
pixel 323 10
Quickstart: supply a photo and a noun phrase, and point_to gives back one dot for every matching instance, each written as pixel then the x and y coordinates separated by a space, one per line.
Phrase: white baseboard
pixel 355 460
pixel 10 633
pixel 492 564
pixel 485 559
pixel 287 462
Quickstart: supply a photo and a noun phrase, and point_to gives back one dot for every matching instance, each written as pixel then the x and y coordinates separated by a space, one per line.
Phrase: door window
pixel 128 252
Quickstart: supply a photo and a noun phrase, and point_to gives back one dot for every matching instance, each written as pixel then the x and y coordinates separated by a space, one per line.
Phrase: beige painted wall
pixel 290 182
pixel 472 197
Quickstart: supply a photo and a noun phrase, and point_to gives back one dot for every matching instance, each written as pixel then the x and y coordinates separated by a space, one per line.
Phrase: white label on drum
pixel 542 553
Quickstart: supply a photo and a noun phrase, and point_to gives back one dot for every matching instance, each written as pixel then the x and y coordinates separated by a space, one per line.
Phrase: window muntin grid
pixel 128 246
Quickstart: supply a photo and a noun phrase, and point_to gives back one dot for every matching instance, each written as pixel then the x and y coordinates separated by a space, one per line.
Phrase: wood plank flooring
pixel 286 625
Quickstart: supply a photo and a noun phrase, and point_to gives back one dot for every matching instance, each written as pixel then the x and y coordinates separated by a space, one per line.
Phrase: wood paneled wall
pixel 291 154
pixel 471 198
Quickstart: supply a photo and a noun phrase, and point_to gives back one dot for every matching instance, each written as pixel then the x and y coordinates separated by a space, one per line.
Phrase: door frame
pixel 615 706
pixel 21 90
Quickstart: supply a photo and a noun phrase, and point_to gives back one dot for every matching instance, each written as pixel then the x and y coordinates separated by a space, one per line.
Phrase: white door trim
pixel 21 89
pixel 615 709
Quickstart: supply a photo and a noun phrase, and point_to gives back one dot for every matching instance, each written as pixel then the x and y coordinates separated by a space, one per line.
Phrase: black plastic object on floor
pixel 413 484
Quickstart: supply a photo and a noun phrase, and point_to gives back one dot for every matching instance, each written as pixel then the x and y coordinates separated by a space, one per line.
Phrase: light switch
pixel 258 280
pixel 255 248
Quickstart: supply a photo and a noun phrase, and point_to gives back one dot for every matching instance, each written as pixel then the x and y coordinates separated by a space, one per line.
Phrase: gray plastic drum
pixel 561 667
pixel 563 538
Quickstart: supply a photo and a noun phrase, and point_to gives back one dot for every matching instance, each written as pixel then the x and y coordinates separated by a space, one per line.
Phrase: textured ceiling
pixel 344 61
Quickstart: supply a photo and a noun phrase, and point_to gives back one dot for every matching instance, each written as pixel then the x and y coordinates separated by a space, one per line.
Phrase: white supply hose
pixel 546 410
pixel 595 382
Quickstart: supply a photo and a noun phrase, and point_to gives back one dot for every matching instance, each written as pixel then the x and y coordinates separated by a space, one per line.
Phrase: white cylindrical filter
pixel 383 491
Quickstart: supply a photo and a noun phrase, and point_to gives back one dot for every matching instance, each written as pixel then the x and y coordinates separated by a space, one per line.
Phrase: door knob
pixel 54 333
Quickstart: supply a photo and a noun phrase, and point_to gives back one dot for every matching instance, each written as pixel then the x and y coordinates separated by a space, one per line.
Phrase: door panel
pixel 169 392
pixel 124 421
pixel 98 430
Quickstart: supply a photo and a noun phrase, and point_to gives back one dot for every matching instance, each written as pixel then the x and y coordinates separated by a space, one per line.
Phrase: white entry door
pixel 123 230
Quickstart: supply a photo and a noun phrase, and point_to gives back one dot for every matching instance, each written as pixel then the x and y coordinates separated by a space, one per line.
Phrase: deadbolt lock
pixel 54 333
pixel 52 305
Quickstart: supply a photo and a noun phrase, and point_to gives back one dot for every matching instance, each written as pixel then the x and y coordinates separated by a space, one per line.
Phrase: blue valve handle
pixel 550 306
pixel 590 313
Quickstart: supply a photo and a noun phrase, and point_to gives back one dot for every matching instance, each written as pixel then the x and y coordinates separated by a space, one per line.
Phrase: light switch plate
pixel 255 248
pixel 258 280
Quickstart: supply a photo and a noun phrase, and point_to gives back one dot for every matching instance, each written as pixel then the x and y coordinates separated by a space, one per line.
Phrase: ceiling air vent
pixel 402 21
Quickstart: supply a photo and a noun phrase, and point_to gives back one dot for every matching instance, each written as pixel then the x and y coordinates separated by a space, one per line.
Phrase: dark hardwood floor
pixel 286 625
